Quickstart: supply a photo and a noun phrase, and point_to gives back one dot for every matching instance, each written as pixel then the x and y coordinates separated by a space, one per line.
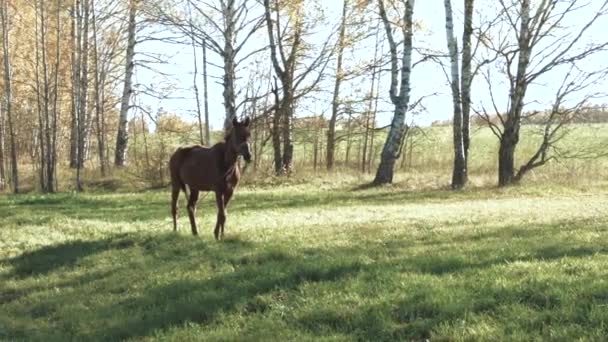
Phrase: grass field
pixel 309 262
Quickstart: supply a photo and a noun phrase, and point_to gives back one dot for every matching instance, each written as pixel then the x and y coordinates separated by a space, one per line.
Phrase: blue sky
pixel 426 79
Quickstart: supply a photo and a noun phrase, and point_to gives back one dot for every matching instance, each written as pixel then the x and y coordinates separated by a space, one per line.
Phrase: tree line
pixel 69 96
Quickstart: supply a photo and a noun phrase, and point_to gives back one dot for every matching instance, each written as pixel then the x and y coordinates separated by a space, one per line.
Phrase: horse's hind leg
pixel 221 215
pixel 192 210
pixel 174 197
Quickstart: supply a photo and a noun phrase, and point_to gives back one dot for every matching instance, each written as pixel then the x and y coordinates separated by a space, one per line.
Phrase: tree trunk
pixel 286 73
pixel 99 84
pixel 83 112
pixel 40 98
pixel 276 132
pixel 206 97
pixel 52 166
pixel 122 137
pixel 510 134
pixel 47 175
pixel 349 131
pixel 2 161
pixel 391 149
pixel 459 168
pixel 199 115
pixel 287 110
pixel 370 107
pixel 335 103
pixel 8 94
pixel 229 64
pixel 76 37
pixel 506 156
pixel 372 132
pixel 466 81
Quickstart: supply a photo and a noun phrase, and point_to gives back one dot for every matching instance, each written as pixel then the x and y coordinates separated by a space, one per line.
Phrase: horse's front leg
pixel 192 210
pixel 227 196
pixel 221 215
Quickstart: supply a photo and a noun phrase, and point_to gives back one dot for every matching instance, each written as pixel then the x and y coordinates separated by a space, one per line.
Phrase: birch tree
pixel 122 136
pixel 225 28
pixel 399 89
pixel 335 103
pixel 460 84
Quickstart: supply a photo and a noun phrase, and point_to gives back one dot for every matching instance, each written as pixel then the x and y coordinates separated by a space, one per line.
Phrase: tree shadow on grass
pixel 39 210
pixel 67 255
pixel 159 282
pixel 168 293
pixel 150 206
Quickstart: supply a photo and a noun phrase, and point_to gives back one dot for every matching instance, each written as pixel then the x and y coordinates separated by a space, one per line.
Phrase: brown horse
pixel 209 169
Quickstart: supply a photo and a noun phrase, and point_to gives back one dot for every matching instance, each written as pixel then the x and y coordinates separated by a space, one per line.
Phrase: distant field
pixel 431 154
pixel 427 163
pixel 309 262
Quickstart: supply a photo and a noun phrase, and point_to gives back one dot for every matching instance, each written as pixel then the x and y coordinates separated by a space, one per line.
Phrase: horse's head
pixel 239 138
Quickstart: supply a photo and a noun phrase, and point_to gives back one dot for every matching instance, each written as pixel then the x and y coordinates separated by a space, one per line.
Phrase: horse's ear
pixel 247 122
pixel 235 121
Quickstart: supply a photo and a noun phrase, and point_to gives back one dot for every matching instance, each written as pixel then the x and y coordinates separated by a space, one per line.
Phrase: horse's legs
pixel 221 214
pixel 192 210
pixel 227 196
pixel 174 197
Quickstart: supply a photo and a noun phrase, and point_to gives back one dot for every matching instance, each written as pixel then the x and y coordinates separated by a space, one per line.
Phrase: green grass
pixel 309 262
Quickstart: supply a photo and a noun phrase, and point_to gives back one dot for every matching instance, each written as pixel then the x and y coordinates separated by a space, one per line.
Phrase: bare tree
pixel 287 53
pixel 543 43
pixel 106 52
pixel 206 96
pixel 122 136
pixel 98 84
pixel 461 89
pixel 400 98
pixel 199 115
pixel 83 108
pixel 75 39
pixel 335 103
pixel 225 27
pixel 370 114
pixel 2 159
pixel 8 93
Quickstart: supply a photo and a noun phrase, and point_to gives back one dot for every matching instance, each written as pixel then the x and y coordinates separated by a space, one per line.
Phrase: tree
pixel 400 98
pixel 122 136
pixel 206 96
pixel 287 52
pixel 461 91
pixel 47 92
pixel 225 27
pixel 335 103
pixel 370 114
pixel 538 42
pixel 83 104
pixel 8 94
pixel 2 161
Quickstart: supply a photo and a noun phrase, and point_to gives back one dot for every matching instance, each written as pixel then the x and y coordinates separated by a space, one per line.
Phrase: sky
pixel 426 79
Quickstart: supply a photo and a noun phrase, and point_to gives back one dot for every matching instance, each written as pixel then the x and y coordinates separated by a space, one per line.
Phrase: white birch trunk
pixel 122 138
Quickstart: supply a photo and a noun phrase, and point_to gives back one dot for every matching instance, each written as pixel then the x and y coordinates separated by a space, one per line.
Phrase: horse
pixel 210 169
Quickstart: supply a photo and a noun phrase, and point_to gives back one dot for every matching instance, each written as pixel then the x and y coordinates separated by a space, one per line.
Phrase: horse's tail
pixel 175 163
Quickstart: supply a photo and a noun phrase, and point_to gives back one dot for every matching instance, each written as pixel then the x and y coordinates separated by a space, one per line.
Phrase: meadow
pixel 317 256
pixel 320 261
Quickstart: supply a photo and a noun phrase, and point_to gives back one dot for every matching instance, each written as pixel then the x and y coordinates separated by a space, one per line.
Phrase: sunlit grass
pixel 315 261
